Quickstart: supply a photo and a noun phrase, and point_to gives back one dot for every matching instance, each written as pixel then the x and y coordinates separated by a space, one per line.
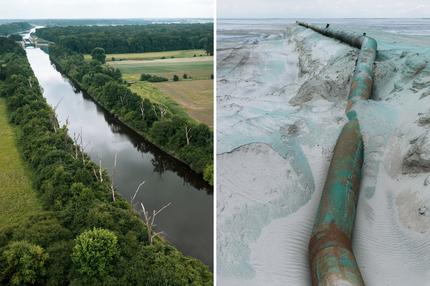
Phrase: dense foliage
pixel 15 37
pixel 24 262
pixel 152 78
pixel 99 55
pixel 95 253
pixel 75 201
pixel 15 27
pixel 186 140
pixel 132 38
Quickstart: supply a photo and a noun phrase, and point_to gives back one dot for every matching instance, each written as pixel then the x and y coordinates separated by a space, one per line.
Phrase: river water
pixel 188 222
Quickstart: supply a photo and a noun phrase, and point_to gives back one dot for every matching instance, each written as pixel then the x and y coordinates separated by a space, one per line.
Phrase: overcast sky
pixel 323 8
pixel 21 9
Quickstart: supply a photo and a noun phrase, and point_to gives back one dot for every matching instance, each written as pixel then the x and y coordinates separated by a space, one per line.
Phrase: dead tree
pixel 112 187
pixel 149 221
pixel 99 174
pixel 53 118
pixel 187 134
pixel 137 190
pixel 142 110
pixel 163 111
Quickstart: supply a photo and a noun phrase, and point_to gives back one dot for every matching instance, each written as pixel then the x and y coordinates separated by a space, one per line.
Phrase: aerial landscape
pixel 282 97
pixel 106 151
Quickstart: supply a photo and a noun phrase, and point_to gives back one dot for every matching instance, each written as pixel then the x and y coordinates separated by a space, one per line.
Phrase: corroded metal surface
pixel 330 252
pixel 362 80
pixel 331 258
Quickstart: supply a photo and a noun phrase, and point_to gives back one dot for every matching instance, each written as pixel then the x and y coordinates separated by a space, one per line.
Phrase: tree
pixel 24 262
pixel 185 76
pixel 94 252
pixel 99 55
pixel 208 173
pixel 175 78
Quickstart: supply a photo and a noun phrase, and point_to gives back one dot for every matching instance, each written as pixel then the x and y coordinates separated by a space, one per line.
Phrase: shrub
pixel 24 263
pixel 94 252
pixel 208 173
pixel 152 78
pixel 175 78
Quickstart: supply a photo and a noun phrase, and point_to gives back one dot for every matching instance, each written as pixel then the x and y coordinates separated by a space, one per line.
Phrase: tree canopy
pixel 132 38
pixel 94 252
pixel 24 262
pixel 99 55
pixel 15 27
pixel 74 199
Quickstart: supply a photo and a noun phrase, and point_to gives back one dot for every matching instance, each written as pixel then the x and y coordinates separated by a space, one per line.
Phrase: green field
pixel 197 68
pixel 150 91
pixel 153 55
pixel 18 200
pixel 190 98
pixel 195 96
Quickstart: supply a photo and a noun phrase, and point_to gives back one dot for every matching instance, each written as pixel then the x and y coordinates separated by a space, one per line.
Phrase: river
pixel 188 222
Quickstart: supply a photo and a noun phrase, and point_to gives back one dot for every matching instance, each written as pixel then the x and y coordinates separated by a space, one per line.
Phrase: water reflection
pixel 188 222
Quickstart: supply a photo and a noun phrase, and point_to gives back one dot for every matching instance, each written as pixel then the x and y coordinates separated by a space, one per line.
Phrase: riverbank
pixel 166 179
pixel 77 199
pixel 188 142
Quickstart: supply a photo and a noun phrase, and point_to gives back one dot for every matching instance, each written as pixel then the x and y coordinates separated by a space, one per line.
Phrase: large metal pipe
pixel 362 80
pixel 331 257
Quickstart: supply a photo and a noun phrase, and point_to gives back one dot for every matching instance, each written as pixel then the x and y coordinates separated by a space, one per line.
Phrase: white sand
pixel 281 99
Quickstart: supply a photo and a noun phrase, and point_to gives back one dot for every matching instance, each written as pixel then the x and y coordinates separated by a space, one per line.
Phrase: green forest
pixel 132 38
pixel 15 27
pixel 83 236
pixel 184 139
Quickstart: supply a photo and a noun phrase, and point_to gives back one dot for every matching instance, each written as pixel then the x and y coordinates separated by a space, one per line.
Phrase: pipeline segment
pixel 362 80
pixel 330 251
pixel 331 257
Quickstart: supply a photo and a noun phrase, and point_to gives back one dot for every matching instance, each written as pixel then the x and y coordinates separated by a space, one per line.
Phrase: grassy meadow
pixel 18 200
pixel 197 68
pixel 196 97
pixel 186 97
pixel 153 55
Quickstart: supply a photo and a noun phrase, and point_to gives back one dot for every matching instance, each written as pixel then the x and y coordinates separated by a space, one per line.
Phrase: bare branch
pixel 137 190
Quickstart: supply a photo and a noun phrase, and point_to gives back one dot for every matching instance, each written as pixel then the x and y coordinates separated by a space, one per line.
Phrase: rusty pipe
pixel 330 252
pixel 331 257
pixel 362 80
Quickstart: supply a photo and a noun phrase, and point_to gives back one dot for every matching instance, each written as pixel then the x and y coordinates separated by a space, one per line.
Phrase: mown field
pixel 195 96
pixel 18 200
pixel 198 68
pixel 153 55
pixel 186 97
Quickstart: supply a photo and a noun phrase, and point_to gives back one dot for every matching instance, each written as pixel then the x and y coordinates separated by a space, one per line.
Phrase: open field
pixel 196 96
pixel 197 68
pixel 18 200
pixel 153 55
pixel 150 91
pixel 188 98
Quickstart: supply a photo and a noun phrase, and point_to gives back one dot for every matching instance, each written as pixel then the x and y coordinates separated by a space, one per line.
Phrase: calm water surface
pixel 188 222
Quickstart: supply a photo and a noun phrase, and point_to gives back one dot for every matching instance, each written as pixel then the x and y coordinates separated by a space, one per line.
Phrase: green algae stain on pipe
pixel 330 252
pixel 330 249
pixel 362 80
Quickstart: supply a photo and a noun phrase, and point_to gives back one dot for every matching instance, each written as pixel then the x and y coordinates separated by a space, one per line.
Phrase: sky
pixel 34 9
pixel 323 8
